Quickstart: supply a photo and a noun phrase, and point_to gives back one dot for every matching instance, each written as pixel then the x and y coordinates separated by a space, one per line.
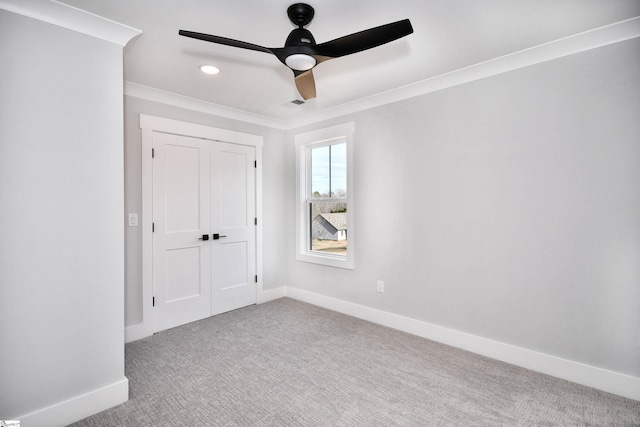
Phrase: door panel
pixel 182 270
pixel 181 208
pixel 182 187
pixel 233 257
pixel 233 194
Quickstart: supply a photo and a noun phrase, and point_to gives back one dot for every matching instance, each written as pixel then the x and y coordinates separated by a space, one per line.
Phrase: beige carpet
pixel 287 363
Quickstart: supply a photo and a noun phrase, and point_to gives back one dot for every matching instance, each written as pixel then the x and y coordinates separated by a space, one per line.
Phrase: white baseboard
pixel 271 294
pixel 591 376
pixel 137 332
pixel 79 407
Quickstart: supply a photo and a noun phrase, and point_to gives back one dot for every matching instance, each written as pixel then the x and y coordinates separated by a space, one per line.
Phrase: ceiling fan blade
pixel 364 40
pixel 224 41
pixel 305 83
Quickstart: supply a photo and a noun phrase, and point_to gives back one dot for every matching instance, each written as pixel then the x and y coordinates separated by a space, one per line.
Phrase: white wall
pixel 61 223
pixel 274 198
pixel 506 208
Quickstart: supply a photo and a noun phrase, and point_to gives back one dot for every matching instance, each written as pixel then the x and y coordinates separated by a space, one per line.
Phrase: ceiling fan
pixel 301 53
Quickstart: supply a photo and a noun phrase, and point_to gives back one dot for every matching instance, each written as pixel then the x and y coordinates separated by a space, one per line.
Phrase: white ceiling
pixel 448 35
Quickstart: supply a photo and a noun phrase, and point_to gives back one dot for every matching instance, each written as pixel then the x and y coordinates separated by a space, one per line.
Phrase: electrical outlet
pixel 380 286
pixel 133 220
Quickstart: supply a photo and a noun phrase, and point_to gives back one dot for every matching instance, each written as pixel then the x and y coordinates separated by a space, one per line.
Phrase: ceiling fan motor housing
pixel 300 37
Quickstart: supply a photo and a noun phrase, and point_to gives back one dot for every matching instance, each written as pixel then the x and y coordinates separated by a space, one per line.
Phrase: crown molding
pixel 72 18
pixel 592 39
pixel 156 95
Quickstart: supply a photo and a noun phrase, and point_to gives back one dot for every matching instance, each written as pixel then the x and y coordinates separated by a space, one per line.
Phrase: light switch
pixel 133 220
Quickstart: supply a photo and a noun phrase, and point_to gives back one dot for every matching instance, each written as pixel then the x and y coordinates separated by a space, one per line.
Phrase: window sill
pixel 328 260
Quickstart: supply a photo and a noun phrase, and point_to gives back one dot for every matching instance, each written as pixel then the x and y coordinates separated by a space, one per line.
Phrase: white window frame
pixel 314 139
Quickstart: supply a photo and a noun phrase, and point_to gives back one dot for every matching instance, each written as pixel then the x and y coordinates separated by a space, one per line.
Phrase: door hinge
pixel 255 163
pixel 255 222
pixel 153 153
pixel 153 227
pixel 256 278
pixel 154 301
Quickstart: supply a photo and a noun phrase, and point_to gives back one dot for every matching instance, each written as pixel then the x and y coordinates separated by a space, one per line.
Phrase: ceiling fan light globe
pixel 209 69
pixel 300 62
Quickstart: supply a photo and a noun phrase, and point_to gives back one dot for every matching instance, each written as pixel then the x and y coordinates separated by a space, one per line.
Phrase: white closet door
pixel 181 211
pixel 233 219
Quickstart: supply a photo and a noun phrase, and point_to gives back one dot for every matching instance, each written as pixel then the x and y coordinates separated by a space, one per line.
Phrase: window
pixel 325 229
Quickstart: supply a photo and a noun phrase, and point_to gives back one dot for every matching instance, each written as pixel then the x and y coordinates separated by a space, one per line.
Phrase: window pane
pixel 339 170
pixel 328 227
pixel 320 169
pixel 329 171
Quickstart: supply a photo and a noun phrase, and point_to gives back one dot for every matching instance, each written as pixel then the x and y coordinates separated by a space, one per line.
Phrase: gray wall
pixel 515 207
pixel 61 198
pixel 274 199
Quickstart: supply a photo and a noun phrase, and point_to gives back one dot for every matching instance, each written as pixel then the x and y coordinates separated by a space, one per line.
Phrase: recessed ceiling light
pixel 209 69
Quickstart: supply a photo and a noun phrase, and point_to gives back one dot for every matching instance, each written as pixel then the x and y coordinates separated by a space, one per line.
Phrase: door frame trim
pixel 149 125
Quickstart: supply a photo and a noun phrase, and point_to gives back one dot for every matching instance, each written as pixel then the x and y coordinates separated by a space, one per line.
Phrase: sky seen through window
pixel 329 170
